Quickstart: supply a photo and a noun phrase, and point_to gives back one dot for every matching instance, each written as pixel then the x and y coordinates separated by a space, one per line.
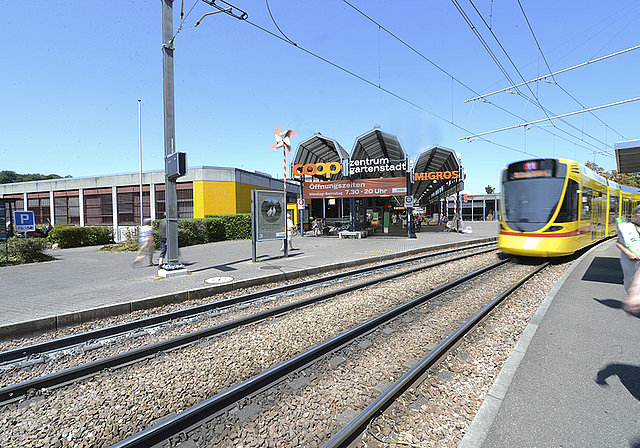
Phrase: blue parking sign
pixel 24 221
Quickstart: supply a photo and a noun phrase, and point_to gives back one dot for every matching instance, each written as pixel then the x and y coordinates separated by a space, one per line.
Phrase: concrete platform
pixel 573 379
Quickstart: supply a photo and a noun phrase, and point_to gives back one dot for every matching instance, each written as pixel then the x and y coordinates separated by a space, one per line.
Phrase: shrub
pixel 235 227
pixel 25 250
pixel 209 230
pixel 76 236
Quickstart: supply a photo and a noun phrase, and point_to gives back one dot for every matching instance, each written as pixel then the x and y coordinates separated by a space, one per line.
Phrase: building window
pixel 160 211
pixel 39 204
pixel 129 205
pixel 66 207
pixel 185 200
pixel 185 203
pixel 98 207
pixel 18 205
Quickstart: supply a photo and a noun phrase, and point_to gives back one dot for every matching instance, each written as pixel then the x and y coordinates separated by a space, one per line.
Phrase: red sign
pixel 359 188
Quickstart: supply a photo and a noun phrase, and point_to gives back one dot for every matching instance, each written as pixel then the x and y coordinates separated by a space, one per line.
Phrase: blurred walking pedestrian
pixel 146 245
pixel 289 238
pixel 163 241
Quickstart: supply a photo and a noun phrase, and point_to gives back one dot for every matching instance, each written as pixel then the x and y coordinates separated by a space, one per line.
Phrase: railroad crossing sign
pixel 408 201
pixel 24 221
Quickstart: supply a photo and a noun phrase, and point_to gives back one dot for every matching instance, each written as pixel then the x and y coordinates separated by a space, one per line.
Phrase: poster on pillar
pixel 269 214
pixel 357 188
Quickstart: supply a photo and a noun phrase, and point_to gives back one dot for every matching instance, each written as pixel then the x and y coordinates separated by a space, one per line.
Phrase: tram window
pixel 586 203
pixel 530 201
pixel 569 209
pixel 613 209
pixel 626 207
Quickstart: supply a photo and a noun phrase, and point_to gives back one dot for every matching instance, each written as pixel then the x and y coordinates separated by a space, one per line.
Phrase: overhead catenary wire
pixel 551 72
pixel 618 33
pixel 540 78
pixel 361 78
pixel 466 130
pixel 547 119
pixel 380 26
pixel 275 23
pixel 501 47
pixel 545 110
pixel 395 95
pixel 183 19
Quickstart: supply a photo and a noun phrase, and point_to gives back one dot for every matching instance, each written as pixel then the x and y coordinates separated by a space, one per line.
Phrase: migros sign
pixel 437 175
pixel 320 169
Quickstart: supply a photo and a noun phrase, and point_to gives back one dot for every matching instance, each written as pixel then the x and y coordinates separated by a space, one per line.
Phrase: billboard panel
pixel 269 213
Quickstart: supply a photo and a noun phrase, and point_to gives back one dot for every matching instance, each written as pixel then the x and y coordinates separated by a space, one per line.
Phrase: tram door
pixel 597 215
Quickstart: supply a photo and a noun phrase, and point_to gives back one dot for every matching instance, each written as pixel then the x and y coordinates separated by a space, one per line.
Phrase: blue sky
pixel 73 73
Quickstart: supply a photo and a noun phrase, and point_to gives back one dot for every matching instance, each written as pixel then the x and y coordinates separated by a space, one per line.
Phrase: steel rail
pixel 192 416
pixel 14 392
pixel 121 329
pixel 356 427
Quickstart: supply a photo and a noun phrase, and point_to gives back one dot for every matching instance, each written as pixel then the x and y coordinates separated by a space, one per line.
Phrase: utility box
pixel 176 165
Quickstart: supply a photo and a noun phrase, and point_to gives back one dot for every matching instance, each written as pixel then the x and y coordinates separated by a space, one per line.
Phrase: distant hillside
pixel 10 177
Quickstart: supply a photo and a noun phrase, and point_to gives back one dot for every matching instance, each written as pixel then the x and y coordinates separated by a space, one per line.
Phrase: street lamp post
pixel 140 155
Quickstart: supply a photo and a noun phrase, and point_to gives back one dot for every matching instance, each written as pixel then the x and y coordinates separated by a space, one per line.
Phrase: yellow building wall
pixel 221 198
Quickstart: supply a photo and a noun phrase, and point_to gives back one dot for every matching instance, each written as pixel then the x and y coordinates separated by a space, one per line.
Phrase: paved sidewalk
pixel 84 279
pixel 573 378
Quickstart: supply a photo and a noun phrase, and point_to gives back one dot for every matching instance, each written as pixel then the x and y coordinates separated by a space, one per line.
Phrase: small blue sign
pixel 24 221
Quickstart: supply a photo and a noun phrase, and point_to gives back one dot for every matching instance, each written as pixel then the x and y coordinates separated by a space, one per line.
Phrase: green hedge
pixel 190 232
pixel 76 236
pixel 236 227
pixel 210 229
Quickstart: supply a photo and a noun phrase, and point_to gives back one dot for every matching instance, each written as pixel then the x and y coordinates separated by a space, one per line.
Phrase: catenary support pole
pixel 170 192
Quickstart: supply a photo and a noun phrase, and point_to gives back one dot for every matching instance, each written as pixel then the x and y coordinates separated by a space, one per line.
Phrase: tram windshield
pixel 528 204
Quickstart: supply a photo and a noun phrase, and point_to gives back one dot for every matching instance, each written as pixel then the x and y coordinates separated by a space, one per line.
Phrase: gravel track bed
pixel 115 405
pixel 437 412
pixel 310 416
pixel 12 373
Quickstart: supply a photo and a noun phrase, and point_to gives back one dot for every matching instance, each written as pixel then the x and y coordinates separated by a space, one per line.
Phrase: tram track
pixel 357 426
pixel 174 430
pixel 244 344
pixel 84 342
pixel 15 392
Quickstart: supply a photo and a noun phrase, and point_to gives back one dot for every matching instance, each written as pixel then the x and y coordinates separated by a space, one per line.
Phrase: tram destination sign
pixel 358 188
pixel 529 169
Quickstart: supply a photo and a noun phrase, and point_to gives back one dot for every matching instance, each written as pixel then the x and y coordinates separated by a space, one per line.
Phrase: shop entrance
pixel 371 214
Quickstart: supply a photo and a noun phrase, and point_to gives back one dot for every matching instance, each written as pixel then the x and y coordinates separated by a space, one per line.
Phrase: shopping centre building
pixel 364 189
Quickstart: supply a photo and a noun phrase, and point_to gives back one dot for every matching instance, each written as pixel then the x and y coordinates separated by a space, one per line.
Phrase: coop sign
pixel 351 167
pixel 437 175
pixel 320 169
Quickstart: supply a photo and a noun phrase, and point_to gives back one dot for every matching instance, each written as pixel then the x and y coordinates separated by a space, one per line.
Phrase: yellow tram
pixel 554 207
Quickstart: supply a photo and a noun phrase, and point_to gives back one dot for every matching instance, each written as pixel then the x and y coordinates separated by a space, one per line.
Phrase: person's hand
pixel 632 256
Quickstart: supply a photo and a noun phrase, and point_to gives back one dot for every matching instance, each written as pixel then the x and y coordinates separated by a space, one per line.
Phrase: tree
pixel 489 189
pixel 10 177
pixel 630 179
